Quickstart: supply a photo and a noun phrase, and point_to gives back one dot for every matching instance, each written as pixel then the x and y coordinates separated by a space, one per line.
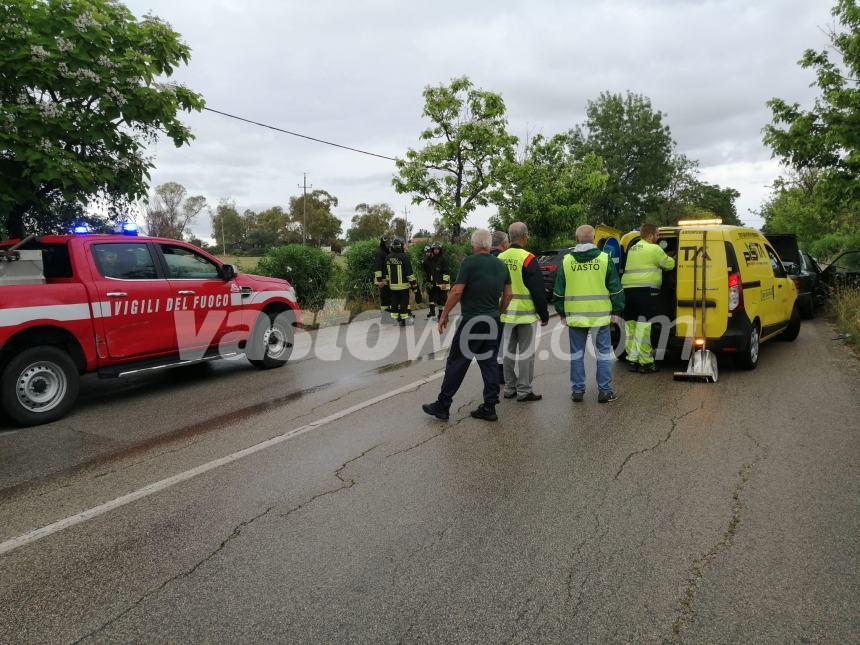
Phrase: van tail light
pixel 736 292
pixel 796 281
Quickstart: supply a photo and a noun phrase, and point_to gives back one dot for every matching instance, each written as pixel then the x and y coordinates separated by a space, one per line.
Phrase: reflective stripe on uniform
pixel 581 298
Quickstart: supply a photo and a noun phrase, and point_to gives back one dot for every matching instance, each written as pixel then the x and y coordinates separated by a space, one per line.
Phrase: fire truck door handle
pixel 116 294
pixel 186 292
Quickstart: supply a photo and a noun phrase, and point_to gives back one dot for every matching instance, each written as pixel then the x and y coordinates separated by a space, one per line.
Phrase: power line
pixel 296 134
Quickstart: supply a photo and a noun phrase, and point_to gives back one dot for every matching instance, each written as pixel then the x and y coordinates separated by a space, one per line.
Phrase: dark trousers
pixel 473 339
pixel 435 296
pixel 385 298
pixel 400 303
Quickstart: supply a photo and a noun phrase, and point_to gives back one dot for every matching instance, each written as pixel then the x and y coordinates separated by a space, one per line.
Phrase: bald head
pixel 585 234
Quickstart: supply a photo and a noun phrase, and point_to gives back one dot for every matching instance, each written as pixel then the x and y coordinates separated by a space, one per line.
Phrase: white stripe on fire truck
pixel 263 296
pixel 19 315
pixel 101 309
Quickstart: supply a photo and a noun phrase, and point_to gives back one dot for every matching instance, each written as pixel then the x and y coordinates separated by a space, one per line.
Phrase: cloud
pixel 354 72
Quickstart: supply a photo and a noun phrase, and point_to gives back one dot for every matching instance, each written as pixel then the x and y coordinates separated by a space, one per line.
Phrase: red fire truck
pixel 119 304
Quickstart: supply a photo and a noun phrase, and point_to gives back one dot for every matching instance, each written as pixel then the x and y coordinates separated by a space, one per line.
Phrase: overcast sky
pixel 353 72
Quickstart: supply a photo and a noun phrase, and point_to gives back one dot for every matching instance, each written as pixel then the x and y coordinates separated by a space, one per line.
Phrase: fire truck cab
pixel 119 304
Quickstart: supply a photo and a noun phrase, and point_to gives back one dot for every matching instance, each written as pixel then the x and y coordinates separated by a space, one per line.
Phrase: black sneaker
pixel 436 409
pixel 607 397
pixel 401 322
pixel 632 367
pixel 510 395
pixel 531 396
pixel 650 368
pixel 485 412
pixel 577 397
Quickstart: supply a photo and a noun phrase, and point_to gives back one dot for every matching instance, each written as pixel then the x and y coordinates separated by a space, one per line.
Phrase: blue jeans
pixel 603 340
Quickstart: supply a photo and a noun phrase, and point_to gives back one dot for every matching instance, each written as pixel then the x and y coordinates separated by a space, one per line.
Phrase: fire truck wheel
pixel 271 341
pixel 39 385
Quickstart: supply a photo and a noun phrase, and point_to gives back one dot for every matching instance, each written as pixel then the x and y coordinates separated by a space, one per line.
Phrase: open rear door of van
pixel 695 300
pixel 785 245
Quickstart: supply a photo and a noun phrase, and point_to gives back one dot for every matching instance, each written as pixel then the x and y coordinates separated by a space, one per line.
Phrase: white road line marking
pixel 73 520
pixel 67 522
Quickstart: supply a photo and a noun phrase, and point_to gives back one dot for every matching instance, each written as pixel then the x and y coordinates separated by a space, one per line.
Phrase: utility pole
pixel 304 187
pixel 223 239
pixel 406 224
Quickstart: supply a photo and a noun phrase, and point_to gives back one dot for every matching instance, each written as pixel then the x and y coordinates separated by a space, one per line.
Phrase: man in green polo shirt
pixel 482 288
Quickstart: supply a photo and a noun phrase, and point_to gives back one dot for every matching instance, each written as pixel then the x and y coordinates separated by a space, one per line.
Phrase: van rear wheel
pixel 793 330
pixel 748 359
pixel 39 385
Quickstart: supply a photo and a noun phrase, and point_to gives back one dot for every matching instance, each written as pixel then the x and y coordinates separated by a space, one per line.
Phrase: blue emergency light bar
pixel 80 228
pixel 127 228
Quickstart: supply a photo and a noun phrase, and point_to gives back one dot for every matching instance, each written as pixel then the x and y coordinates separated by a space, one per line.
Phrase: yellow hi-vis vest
pixel 586 298
pixel 645 265
pixel 521 311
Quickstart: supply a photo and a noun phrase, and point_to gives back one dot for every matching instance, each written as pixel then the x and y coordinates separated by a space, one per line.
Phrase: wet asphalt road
pixel 682 513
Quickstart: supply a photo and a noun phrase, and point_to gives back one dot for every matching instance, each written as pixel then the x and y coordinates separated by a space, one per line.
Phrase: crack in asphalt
pixel 235 533
pixel 697 568
pixel 345 483
pixel 445 429
pixel 674 424
pixel 184 446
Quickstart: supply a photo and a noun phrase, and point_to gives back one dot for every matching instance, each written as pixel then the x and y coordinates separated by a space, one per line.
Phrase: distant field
pixel 243 263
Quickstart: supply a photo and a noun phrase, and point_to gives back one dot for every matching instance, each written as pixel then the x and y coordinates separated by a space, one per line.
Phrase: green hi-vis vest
pixel 521 311
pixel 586 298
pixel 397 281
pixel 644 266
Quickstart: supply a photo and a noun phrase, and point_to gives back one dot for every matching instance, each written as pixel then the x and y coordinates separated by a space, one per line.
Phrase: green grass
pixel 845 309
pixel 246 264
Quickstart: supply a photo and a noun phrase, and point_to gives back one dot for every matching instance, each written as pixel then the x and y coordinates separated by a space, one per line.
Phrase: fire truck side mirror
pixel 228 272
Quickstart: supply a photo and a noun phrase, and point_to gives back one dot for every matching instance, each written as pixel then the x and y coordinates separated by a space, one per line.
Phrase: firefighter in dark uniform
pixel 437 277
pixel 380 274
pixel 400 280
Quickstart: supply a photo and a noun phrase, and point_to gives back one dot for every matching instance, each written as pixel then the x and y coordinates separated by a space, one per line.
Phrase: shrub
pixel 308 269
pixel 358 282
pixel 845 308
pixel 829 246
pixel 454 253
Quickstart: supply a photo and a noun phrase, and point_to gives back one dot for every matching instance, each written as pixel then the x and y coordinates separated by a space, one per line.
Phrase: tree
pixel 196 241
pixel 457 166
pixel 687 196
pixel 80 100
pixel 228 228
pixel 549 189
pixel 821 146
pixel 422 232
pixel 323 227
pixel 274 224
pixel 169 211
pixel 826 138
pixel 370 222
pixel 401 227
pixel 637 152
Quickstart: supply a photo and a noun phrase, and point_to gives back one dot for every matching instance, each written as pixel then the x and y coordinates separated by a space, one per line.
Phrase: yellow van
pixel 747 296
